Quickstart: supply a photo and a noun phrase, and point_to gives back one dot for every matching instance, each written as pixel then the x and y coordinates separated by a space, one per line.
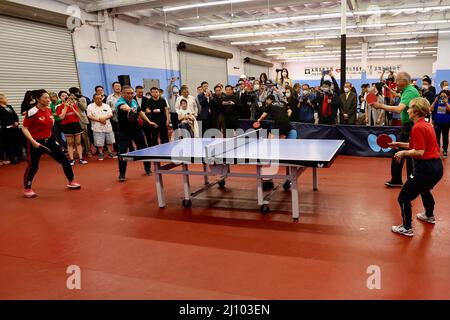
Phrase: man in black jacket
pixel 328 101
pixel 206 108
pixel 142 102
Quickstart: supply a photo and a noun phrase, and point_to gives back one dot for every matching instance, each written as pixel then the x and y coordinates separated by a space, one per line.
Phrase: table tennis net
pixel 216 150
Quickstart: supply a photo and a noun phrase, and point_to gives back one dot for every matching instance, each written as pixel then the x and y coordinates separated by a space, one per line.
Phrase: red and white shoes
pixel 29 193
pixel 73 185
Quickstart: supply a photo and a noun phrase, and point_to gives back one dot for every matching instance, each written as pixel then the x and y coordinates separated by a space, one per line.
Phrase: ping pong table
pixel 218 155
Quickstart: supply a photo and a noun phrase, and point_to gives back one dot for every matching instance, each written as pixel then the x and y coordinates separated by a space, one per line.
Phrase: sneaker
pixel 73 185
pixel 401 230
pixel 445 155
pixel 391 184
pixel 82 161
pixel 29 193
pixel 72 162
pixel 112 155
pixel 101 156
pixel 89 155
pixel 423 217
pixel 121 178
pixel 148 172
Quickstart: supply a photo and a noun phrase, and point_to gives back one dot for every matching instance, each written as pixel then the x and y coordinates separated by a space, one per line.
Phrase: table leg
pixel 259 186
pixel 205 170
pixel 159 186
pixel 294 193
pixel 315 180
pixel 186 184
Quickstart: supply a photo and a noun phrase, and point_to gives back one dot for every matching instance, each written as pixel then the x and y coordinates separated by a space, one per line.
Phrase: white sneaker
pixel 423 217
pixel 401 230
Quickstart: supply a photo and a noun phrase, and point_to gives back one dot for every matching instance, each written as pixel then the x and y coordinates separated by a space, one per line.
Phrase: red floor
pixel 127 248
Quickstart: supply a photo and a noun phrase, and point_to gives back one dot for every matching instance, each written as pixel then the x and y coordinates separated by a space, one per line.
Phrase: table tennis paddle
pixel 371 98
pixel 44 147
pixel 383 140
pixel 256 125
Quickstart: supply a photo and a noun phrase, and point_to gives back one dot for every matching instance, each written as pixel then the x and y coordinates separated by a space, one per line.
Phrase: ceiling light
pixel 430 47
pixel 395 43
pixel 401 24
pixel 375 25
pixel 274 48
pixel 315 46
pixel 202 4
pixel 432 21
pixel 427 51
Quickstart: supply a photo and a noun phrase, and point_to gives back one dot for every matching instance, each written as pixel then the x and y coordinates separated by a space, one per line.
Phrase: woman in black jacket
pixel 10 130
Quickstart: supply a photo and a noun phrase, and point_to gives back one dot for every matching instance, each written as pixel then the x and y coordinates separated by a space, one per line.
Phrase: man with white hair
pixel 408 93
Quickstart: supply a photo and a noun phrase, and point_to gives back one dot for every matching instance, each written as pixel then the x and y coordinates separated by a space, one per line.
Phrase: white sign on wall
pixel 351 70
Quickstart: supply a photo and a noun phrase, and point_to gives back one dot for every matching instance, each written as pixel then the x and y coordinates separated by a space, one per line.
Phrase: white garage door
pixel 34 56
pixel 195 68
pixel 253 70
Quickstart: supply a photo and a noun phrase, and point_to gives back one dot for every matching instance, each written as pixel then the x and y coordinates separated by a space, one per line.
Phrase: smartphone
pixel 325 72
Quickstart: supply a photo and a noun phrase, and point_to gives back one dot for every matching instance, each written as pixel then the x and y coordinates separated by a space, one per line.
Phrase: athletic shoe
pixel 72 162
pixel 101 156
pixel 112 155
pixel 121 178
pixel 29 193
pixel 391 184
pixel 73 185
pixel 148 172
pixel 445 155
pixel 423 217
pixel 401 230
pixel 82 161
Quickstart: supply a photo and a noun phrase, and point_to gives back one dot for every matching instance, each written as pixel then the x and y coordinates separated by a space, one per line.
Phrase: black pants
pixel 397 167
pixel 12 143
pixel 426 175
pixel 148 133
pixel 57 134
pixel 125 139
pixel 34 155
pixel 162 132
pixel 174 120
pixel 442 129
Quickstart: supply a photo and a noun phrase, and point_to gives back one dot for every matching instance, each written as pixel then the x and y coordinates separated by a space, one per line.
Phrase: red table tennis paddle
pixel 256 125
pixel 384 140
pixel 371 98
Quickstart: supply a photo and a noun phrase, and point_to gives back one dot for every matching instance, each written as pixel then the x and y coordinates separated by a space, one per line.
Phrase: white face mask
pixel 346 90
pixel 175 91
pixel 256 87
pixel 445 88
pixel 326 89
pixel 288 94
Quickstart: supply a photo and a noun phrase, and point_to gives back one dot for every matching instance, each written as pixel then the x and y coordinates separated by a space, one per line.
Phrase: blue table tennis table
pixel 218 155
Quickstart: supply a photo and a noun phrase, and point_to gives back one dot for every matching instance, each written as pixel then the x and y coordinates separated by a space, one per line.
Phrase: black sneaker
pixel 121 178
pixel 391 184
pixel 445 155
pixel 148 172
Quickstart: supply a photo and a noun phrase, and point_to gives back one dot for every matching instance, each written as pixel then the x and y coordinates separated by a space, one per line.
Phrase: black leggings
pixel 397 167
pixel 427 173
pixel 444 130
pixel 34 155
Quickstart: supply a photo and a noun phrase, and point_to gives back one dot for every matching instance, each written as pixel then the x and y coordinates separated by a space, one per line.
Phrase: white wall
pixel 416 67
pixel 146 47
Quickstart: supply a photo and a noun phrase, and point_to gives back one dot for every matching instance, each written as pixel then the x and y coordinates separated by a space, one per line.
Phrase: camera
pixel 279 70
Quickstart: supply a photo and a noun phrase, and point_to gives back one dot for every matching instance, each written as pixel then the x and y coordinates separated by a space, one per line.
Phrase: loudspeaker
pixel 124 80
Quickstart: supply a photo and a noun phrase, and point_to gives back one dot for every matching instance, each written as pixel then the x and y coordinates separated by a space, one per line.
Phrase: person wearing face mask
pixel 444 85
pixel 440 110
pixel 328 100
pixel 348 106
pixel 408 93
pixel 284 78
pixel 428 91
pixel 306 106
pixel 174 93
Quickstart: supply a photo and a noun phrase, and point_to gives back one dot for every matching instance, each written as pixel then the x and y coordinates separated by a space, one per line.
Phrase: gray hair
pixel 404 76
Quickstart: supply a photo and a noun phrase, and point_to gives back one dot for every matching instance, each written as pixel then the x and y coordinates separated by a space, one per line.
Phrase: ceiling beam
pixel 237 7
pixel 110 4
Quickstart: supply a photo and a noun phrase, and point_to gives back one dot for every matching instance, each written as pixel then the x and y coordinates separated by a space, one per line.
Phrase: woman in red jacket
pixel 37 128
pixel 428 169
